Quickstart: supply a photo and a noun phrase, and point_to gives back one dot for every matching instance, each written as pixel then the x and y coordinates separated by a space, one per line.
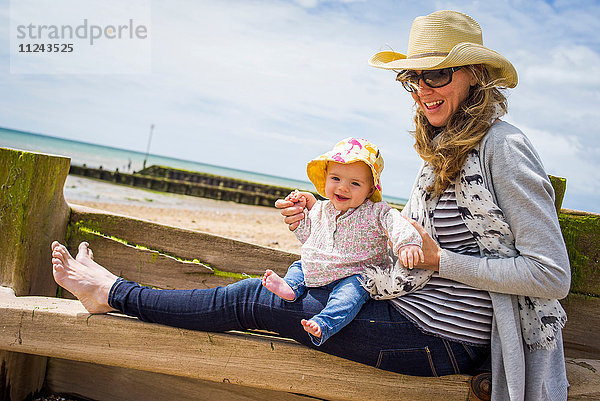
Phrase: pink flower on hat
pixel 354 143
pixel 338 158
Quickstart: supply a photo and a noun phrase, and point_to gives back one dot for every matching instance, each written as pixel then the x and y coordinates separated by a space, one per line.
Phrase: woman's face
pixel 439 104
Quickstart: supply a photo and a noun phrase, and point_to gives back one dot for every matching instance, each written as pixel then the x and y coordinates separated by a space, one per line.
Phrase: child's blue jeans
pixel 346 297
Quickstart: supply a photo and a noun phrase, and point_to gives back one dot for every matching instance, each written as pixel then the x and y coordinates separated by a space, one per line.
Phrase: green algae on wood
pixel 222 253
pixel 88 235
pixel 146 265
pixel 33 213
pixel 560 187
pixel 581 231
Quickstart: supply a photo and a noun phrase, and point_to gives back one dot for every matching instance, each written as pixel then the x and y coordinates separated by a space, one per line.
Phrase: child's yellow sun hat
pixel 349 150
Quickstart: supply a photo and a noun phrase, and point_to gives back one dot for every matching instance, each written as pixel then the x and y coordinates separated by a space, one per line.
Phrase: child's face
pixel 348 185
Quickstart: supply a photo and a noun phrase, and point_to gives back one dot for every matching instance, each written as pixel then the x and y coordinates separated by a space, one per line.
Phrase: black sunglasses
pixel 432 78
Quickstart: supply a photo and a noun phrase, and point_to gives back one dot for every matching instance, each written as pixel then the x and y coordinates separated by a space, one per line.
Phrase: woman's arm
pixel 524 193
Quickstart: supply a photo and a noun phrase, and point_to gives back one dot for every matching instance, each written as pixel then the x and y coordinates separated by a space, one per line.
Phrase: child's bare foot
pixel 311 327
pixel 278 286
pixel 84 278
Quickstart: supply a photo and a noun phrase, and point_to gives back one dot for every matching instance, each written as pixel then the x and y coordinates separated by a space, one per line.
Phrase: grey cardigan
pixel 514 175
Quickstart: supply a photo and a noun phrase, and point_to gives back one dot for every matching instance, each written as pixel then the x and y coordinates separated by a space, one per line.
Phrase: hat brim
pixel 316 171
pixel 499 68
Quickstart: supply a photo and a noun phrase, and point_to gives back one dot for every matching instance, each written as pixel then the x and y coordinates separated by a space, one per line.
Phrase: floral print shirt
pixel 337 245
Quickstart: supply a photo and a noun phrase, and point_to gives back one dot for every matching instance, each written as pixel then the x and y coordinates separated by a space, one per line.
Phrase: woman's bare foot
pixel 84 278
pixel 278 286
pixel 311 327
pixel 84 254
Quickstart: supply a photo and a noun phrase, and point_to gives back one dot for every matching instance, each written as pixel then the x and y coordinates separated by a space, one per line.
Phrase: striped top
pixel 444 307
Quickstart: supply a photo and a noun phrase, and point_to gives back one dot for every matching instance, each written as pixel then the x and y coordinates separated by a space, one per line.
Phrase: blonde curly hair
pixel 446 148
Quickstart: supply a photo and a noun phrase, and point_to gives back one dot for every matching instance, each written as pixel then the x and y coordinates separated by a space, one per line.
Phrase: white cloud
pixel 561 155
pixel 566 65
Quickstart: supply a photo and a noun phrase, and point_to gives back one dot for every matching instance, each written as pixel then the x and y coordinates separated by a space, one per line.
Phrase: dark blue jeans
pixel 379 336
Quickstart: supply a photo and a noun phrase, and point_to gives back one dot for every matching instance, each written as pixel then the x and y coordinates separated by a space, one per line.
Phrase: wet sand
pixel 256 224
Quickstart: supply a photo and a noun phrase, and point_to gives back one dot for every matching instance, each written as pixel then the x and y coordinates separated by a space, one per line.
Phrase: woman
pixel 482 193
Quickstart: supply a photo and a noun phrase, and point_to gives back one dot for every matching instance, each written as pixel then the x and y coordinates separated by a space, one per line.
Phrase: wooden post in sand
pixel 560 187
pixel 33 213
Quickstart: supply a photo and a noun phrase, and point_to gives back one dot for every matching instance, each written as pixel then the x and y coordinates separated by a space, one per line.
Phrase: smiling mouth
pixel 433 105
pixel 341 198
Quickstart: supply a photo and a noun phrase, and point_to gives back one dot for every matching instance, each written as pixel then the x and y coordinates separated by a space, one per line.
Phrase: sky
pixel 267 85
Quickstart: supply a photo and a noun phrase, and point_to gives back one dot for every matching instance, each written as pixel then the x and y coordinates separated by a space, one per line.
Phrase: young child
pixel 344 235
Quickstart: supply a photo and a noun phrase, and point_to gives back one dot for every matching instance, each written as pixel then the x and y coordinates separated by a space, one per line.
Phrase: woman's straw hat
pixel 349 150
pixel 447 39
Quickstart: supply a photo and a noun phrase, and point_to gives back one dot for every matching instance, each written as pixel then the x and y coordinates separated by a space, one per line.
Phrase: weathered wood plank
pixel 145 266
pixel 580 335
pixel 33 213
pixel 109 383
pixel 23 375
pixel 584 379
pixel 61 328
pixel 560 186
pixel 219 252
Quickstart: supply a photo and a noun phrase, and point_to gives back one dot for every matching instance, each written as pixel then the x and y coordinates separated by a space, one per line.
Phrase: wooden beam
pixel 580 335
pixel 560 186
pixel 33 213
pixel 109 383
pixel 62 328
pixel 219 252
pixel 584 379
pixel 146 266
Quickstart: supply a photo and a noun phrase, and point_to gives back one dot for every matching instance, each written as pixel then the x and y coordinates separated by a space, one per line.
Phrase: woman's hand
pixel 431 250
pixel 292 212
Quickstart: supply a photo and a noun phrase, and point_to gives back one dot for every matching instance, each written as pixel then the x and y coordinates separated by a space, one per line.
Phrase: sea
pixel 127 161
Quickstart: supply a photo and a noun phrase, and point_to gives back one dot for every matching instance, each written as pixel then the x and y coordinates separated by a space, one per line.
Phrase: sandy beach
pixel 256 224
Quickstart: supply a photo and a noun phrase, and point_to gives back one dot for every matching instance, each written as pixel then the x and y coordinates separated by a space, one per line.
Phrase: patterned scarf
pixel 541 319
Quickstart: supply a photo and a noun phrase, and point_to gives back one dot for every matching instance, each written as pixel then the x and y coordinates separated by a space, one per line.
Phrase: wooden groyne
pixel 52 343
pixel 166 179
